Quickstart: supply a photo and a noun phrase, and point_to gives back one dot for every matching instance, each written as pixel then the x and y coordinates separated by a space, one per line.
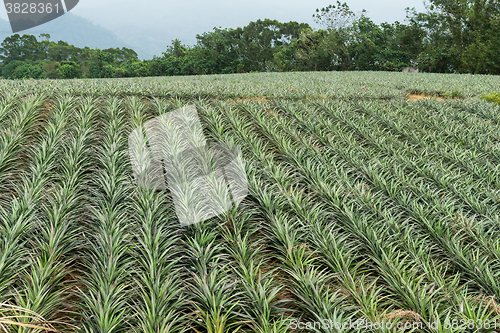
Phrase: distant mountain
pixel 73 29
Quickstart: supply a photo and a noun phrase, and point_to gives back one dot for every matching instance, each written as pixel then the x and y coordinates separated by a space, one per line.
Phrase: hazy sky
pixel 285 10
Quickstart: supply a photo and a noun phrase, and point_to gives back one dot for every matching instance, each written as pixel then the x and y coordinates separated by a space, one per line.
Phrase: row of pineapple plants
pixel 357 211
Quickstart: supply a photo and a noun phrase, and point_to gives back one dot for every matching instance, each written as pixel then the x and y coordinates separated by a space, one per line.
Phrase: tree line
pixel 452 36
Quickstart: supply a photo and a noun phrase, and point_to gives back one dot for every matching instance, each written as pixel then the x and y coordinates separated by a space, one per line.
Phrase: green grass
pixel 492 97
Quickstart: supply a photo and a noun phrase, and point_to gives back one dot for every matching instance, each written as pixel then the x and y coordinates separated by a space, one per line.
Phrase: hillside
pixel 72 29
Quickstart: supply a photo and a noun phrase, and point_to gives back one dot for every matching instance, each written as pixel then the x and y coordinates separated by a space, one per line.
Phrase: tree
pixel 310 52
pixel 62 51
pixel 216 52
pixel 101 64
pixel 70 70
pixel 122 55
pixel 261 39
pixel 472 30
pixel 16 47
pixel 335 17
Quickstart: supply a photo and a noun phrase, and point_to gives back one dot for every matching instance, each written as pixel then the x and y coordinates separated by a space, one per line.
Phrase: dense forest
pixel 459 36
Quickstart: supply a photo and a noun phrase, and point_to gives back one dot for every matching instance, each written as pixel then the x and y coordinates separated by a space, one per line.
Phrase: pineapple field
pixel 373 206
